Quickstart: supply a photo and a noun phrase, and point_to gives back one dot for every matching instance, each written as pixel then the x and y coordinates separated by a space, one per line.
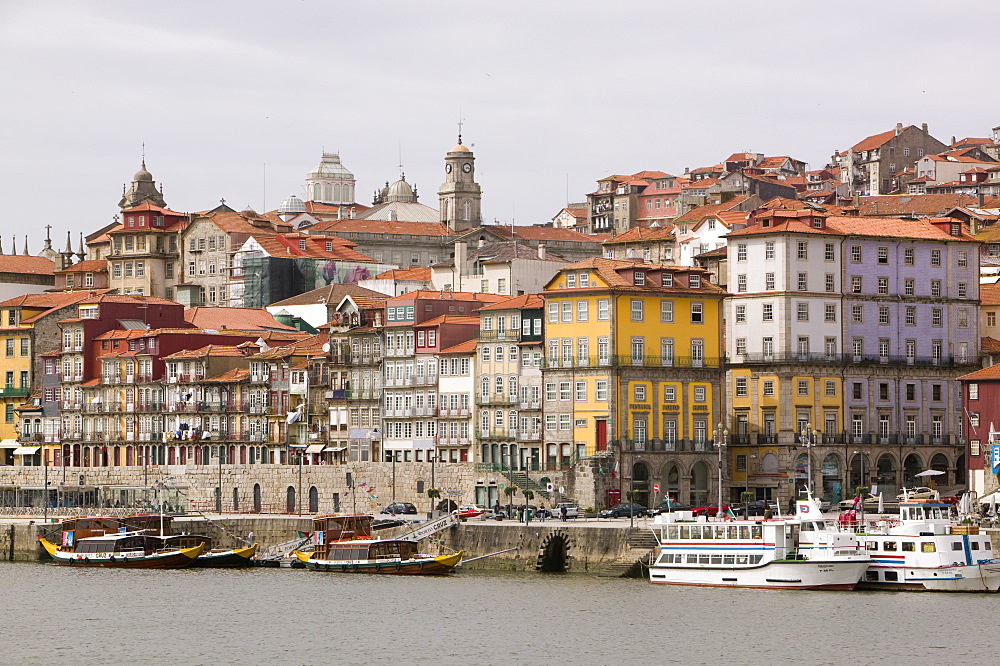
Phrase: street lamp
pixel 863 454
pixel 723 433
pixel 806 439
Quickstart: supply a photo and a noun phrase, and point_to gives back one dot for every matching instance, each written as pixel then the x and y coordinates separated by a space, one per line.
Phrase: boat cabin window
pixel 956 545
pixel 891 576
pixel 871 576
pixel 973 545
pixel 744 532
pixel 696 531
pixel 720 532
pixel 871 545
pixel 672 532
pixel 928 547
pixel 685 532
pixel 909 546
pixel 889 546
pixel 756 532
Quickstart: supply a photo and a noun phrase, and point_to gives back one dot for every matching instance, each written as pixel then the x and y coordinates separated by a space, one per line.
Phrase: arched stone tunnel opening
pixel 553 555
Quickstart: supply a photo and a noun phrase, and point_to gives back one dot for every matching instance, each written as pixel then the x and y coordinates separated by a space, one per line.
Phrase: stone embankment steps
pixel 642 548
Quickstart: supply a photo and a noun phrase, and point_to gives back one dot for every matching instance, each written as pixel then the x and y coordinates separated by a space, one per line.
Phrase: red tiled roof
pixel 887 227
pixel 235 375
pixel 711 209
pixel 127 298
pixel 26 265
pixel 992 372
pixel 241 319
pixel 875 140
pixel 384 227
pixel 913 204
pixel 609 271
pixel 467 347
pixel 450 296
pixel 525 301
pixel 989 345
pixel 450 319
pixel 207 350
pixel 147 206
pixel 638 234
pixel 89 266
pixel 46 301
pixel 540 233
pixel 989 294
pixel 423 274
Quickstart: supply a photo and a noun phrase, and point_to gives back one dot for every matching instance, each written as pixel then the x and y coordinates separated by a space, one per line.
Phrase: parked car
pixel 756 507
pixel 710 509
pixel 673 506
pixel 398 508
pixel 624 510
pixel 572 510
pixel 920 492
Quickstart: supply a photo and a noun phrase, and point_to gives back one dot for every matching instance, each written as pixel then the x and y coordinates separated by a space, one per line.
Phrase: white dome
pixel 400 191
pixel 330 167
pixel 292 204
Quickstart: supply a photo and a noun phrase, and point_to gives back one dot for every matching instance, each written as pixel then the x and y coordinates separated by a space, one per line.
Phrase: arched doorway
pixel 885 472
pixel 290 500
pixel 313 500
pixel 256 498
pixel 861 470
pixel 960 471
pixel 670 480
pixel 640 483
pixel 699 483
pixel 801 474
pixel 832 490
pixel 912 465
pixel 939 463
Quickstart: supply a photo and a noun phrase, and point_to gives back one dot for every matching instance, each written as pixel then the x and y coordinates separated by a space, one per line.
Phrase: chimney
pixel 953 139
pixel 461 255
pixel 899 128
pixel 541 250
pixel 687 169
pixel 923 128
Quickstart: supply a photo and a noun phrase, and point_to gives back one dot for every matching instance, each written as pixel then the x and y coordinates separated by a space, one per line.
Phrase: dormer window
pixel 570 281
pixel 668 279
pixel 302 244
pixel 640 278
pixel 329 246
pixel 584 279
pixel 818 222
pixel 956 230
pixel 695 282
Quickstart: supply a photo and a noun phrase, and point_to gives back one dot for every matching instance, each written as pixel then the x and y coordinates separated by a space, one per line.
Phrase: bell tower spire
pixel 460 196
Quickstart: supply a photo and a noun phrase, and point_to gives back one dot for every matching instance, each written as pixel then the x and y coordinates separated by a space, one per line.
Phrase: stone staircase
pixel 523 481
pixel 641 549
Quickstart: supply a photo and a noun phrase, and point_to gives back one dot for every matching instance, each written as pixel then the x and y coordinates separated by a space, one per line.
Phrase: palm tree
pixel 510 491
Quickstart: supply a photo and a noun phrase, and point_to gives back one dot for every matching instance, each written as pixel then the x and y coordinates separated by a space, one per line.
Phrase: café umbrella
pixel 931 472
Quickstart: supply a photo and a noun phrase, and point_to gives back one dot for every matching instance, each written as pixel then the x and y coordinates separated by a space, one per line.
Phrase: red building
pixel 981 403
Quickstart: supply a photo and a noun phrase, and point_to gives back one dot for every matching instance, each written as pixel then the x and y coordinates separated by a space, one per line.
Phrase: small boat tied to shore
pixel 925 549
pixel 345 544
pixel 802 552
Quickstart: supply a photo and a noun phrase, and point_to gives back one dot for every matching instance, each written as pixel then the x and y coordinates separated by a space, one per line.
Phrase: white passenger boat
pixel 803 552
pixel 926 550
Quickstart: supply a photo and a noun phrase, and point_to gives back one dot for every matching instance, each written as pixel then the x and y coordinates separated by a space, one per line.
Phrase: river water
pixel 280 616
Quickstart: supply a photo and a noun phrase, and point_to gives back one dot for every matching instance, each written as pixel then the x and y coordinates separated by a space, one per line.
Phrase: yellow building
pixel 27 326
pixel 633 369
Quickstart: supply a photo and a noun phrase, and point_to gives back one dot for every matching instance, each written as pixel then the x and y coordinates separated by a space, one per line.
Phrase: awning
pixel 9 444
pixel 992 498
pixel 315 448
pixel 335 449
pixel 26 450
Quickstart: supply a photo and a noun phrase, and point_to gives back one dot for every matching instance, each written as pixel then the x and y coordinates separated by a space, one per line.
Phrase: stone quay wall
pixel 457 482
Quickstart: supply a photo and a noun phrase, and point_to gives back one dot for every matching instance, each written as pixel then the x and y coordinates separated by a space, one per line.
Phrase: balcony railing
pixel 442 440
pixel 498 433
pixel 529 436
pixel 507 335
pixel 456 412
pixel 530 404
pixel 657 444
pixel 850 359
pixel 496 399
pixel 10 391
pixel 363 394
pixel 645 361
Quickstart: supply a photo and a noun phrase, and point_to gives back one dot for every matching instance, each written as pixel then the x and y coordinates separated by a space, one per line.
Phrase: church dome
pixel 400 191
pixel 292 204
pixel 142 174
pixel 459 149
pixel 330 167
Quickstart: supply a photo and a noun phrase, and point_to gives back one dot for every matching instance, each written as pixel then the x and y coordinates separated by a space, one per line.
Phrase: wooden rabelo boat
pixel 345 544
pixel 77 534
pixel 126 550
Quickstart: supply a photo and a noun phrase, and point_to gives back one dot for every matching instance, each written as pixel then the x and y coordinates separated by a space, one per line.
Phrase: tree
pixel 510 491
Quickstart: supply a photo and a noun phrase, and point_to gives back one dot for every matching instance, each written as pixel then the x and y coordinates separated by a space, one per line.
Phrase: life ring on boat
pixel 420 567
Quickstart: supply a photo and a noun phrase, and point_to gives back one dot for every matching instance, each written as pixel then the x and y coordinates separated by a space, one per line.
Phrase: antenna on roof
pixel 400 158
pixel 460 125
pixel 264 190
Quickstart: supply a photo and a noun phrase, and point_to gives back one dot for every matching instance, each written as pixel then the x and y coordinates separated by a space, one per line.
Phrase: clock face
pixel 466 167
pixel 447 168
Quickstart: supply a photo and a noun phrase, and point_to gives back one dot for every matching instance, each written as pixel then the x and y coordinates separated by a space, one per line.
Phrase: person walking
pixel 563 512
pixel 541 512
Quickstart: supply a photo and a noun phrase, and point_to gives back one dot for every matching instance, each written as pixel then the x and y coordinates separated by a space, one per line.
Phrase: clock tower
pixel 460 196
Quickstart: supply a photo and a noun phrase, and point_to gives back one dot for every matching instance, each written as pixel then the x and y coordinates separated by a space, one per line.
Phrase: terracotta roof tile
pixel 990 373
pixel 711 209
pixel 241 319
pixel 638 234
pixel 19 263
pixel 467 347
pixel 525 301
pixel 913 204
pixel 449 319
pixel 989 294
pixel 989 345
pixel 89 266
pixel 875 140
pixel 206 351
pixel 419 274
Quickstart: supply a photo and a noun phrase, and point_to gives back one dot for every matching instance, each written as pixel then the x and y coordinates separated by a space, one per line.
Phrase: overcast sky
pixel 554 95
